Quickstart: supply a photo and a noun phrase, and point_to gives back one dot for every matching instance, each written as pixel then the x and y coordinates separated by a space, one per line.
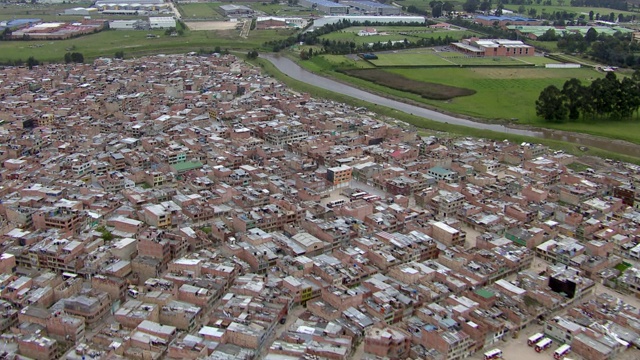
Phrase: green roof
pixel 485 293
pixel 440 170
pixel 186 166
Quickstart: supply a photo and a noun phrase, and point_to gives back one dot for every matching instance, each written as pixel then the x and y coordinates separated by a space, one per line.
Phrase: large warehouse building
pixel 235 10
pixel 374 19
pixel 372 7
pixel 163 22
pixel 494 47
pixel 325 6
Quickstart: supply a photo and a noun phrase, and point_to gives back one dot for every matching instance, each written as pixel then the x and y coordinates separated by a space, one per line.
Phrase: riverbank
pixel 578 144
pixel 503 95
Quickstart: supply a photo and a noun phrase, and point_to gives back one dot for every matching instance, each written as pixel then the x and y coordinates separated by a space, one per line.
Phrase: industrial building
pixel 129 25
pixel 325 6
pixel 163 22
pixel 235 10
pixel 372 7
pixel 317 23
pixel 493 47
pixel 80 11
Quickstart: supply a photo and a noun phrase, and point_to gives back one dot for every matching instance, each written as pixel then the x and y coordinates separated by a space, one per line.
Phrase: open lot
pixel 402 59
pixel 395 33
pixel 200 11
pixel 503 93
pixel 430 57
pixel 135 43
pixel 211 25
pixel 425 89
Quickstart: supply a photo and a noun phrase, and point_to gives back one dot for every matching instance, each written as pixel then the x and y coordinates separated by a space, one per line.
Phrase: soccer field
pixel 429 57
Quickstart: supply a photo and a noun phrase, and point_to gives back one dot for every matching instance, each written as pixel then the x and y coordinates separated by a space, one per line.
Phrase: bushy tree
pixel 31 62
pixel 253 54
pixel 550 105
pixel 470 6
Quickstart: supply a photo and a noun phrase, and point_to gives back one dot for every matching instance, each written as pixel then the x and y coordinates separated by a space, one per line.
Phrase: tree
pixel 6 33
pixel 499 9
pixel 591 36
pixel 573 93
pixel 532 12
pixel 550 105
pixel 485 6
pixel 549 35
pixel 521 9
pixel 31 62
pixel 77 57
pixel 591 15
pixel 119 54
pixel 253 54
pixel 436 8
pixel 67 58
pixel 470 6
pixel 217 50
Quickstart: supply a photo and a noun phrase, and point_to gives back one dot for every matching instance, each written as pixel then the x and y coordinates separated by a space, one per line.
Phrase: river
pixel 293 70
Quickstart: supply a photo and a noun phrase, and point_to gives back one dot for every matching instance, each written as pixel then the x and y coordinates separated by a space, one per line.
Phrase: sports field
pixel 395 33
pixel 403 59
pixel 429 57
pixel 200 11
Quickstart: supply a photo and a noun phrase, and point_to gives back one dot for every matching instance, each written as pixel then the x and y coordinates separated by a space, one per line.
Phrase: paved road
pixel 175 11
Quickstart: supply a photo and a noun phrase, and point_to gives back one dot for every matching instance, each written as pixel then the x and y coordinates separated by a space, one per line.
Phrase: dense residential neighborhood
pixel 187 207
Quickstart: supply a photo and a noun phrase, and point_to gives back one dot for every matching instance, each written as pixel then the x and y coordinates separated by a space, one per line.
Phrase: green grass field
pixel 570 9
pixel 402 59
pixel 134 43
pixel 395 33
pixel 200 11
pixel 427 57
pixel 501 93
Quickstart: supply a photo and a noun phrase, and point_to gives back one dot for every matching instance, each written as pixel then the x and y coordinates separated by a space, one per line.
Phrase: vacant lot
pixel 395 33
pixel 429 57
pixel 502 93
pixel 402 59
pixel 200 11
pixel 211 25
pixel 424 89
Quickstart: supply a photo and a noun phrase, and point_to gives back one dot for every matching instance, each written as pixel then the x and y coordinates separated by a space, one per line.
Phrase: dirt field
pixel 426 90
pixel 211 25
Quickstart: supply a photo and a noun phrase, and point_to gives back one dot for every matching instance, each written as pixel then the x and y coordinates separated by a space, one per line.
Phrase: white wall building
pixel 164 22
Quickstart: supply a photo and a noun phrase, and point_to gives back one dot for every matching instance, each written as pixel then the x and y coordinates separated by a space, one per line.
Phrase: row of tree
pixel 618 49
pixel 314 37
pixel 605 98
pixel 610 4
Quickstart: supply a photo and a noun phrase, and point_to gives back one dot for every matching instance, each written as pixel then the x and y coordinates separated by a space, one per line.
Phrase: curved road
pixel 293 70
pixel 290 68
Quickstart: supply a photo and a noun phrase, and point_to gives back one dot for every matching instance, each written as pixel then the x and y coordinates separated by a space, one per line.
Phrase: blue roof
pixel 327 3
pixel 374 4
pixel 504 18
pixel 19 22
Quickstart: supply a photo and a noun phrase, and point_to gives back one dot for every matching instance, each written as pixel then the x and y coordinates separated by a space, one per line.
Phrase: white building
pixel 128 24
pixel 164 22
